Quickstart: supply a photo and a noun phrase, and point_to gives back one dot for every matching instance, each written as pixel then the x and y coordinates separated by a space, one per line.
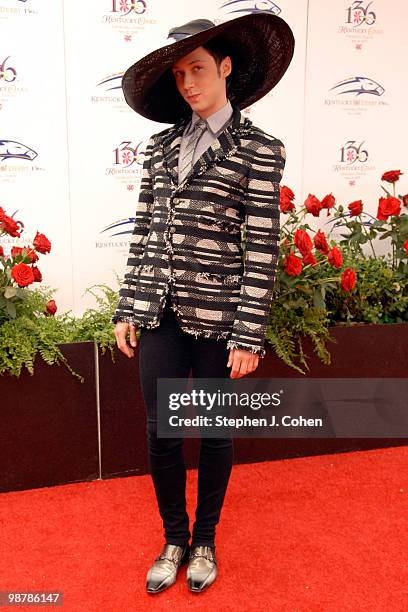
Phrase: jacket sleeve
pixel 124 309
pixel 262 227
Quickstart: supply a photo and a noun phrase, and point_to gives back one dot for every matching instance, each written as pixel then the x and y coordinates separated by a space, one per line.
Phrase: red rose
pixel 15 251
pixel 391 176
pixel 293 265
pixel 309 258
pixel 405 199
pixel 10 226
pixel 355 208
pixel 50 307
pixel 405 245
pixel 1 251
pixel 37 274
pixel 2 213
pixel 328 201
pixel 348 279
pixel 286 205
pixel 286 193
pixel 313 205
pixel 41 243
pixel 388 207
pixel 335 257
pixel 22 274
pixel 303 241
pixel 320 242
pixel 31 254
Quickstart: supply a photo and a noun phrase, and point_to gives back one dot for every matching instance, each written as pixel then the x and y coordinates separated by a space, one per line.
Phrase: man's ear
pixel 227 67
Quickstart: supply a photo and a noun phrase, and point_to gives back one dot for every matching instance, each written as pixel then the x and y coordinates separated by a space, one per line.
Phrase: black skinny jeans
pixel 167 351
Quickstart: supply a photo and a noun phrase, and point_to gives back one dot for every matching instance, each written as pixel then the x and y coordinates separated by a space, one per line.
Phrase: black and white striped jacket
pixel 187 236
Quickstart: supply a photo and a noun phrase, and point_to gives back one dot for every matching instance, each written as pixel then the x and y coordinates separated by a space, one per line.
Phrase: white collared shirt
pixel 216 123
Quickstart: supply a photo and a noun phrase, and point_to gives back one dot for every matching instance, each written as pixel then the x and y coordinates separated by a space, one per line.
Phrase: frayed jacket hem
pixel 202 333
pixel 261 352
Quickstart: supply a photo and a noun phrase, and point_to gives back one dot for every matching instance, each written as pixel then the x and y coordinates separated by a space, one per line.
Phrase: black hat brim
pixel 262 47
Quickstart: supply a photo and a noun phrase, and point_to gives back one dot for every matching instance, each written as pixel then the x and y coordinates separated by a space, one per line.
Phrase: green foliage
pixel 32 332
pixel 289 323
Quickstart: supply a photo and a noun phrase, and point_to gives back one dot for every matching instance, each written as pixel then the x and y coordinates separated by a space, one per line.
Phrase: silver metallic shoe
pixel 163 572
pixel 202 568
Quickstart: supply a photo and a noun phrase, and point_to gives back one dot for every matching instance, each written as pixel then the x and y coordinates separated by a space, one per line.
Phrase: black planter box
pixel 49 423
pixel 57 430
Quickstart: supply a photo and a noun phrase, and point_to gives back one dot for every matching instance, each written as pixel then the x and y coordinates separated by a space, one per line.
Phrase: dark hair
pixel 219 49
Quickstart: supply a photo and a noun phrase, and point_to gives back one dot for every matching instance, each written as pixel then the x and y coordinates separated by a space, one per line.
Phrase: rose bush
pixel 18 269
pixel 321 282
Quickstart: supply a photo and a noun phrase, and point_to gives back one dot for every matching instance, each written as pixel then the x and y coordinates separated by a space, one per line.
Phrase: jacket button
pixel 172 229
pixel 176 200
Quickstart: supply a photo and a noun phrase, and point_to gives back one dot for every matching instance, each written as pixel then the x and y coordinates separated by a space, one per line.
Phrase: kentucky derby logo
pixel 7 73
pixel 124 226
pixel 111 82
pixel 10 149
pixel 10 84
pixel 353 161
pixel 359 24
pixel 358 14
pixel 244 6
pixel 358 85
pixel 351 153
pixel 110 91
pixel 349 94
pixel 128 17
pixel 127 164
pixel 125 155
pixel 128 6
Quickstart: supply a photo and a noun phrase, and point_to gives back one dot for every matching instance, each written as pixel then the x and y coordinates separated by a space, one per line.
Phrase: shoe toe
pixel 158 582
pixel 198 580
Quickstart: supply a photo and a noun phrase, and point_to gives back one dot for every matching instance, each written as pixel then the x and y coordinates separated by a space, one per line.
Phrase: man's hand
pixel 121 330
pixel 242 362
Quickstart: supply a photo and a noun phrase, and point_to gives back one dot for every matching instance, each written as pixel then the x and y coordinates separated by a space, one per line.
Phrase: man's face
pixel 197 73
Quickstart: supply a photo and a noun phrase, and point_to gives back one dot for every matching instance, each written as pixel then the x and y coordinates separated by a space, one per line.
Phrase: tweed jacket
pixel 187 237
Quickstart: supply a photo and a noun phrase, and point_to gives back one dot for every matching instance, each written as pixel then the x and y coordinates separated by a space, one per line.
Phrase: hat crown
pixel 190 28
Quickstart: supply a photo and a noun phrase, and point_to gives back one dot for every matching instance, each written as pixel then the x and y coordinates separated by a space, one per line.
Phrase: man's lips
pixel 192 97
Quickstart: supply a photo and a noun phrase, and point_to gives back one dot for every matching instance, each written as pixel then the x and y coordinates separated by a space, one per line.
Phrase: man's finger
pixel 230 358
pixel 132 335
pixel 235 367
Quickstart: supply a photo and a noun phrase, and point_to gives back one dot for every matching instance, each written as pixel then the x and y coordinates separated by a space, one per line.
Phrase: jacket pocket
pixel 229 280
pixel 229 226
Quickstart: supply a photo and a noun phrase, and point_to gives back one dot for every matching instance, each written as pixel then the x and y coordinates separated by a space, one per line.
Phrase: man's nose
pixel 188 82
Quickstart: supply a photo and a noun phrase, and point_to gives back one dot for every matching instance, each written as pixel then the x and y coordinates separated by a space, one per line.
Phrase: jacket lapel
pixel 224 146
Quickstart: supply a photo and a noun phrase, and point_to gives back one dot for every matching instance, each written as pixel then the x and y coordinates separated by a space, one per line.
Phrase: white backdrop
pixel 71 150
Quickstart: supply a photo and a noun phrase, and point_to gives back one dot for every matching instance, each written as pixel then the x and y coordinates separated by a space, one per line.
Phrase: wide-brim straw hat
pixel 260 45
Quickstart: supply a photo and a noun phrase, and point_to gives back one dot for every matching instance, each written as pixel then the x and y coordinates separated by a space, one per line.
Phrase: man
pixel 199 302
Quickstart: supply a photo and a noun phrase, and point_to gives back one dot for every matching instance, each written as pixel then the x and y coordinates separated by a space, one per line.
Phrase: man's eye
pixel 198 67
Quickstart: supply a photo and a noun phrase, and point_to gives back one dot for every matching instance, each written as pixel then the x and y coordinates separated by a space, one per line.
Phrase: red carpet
pixel 326 533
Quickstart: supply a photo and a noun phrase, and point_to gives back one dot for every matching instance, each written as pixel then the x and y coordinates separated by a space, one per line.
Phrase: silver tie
pixel 186 162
